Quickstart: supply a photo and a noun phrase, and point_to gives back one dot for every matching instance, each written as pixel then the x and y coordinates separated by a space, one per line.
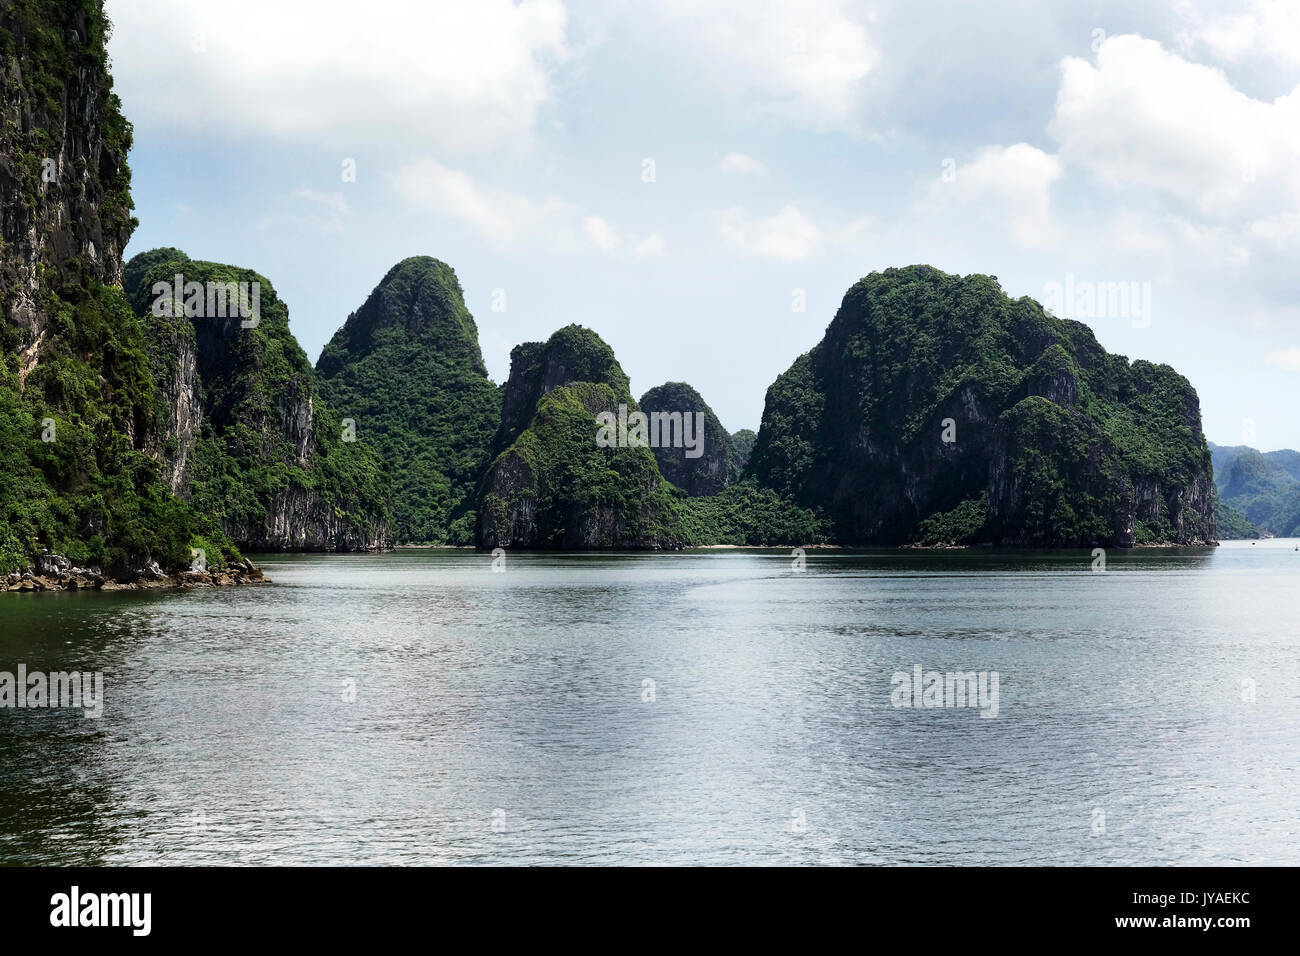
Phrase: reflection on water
pixel 714 707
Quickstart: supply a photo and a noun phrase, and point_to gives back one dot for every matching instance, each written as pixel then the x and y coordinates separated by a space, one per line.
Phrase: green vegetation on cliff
pixel 702 465
pixel 930 390
pixel 1232 523
pixel 89 493
pixel 77 411
pixel 745 514
pixel 553 485
pixel 267 457
pixel 407 368
pixel 742 446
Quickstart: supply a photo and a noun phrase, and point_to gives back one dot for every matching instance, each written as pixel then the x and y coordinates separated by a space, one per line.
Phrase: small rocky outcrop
pixel 56 573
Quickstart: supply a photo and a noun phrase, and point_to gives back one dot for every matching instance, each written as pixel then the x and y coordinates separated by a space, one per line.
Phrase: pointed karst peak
pixel 406 368
pixel 572 354
pixel 419 299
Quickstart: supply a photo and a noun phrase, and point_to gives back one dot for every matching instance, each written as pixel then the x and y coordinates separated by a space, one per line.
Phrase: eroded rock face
pixel 56 573
pixel 75 373
pixel 934 395
pixel 297 520
pixel 64 182
pixel 704 469
pixel 242 433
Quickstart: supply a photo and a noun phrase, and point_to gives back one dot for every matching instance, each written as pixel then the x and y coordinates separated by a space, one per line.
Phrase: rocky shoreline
pixel 54 572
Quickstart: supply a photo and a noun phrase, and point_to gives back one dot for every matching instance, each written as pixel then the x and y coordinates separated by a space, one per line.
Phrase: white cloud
pixel 498 215
pixel 742 164
pixel 1145 117
pixel 331 201
pixel 788 236
pixel 651 247
pixel 1269 27
pixel 1001 187
pixel 1288 359
pixel 328 218
pixel 507 218
pixel 608 240
pixel 1279 229
pixel 600 233
pixel 802 59
pixel 454 74
pixel 1208 176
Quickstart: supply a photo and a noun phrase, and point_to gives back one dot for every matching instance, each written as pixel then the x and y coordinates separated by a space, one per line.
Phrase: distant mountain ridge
pixel 1262 487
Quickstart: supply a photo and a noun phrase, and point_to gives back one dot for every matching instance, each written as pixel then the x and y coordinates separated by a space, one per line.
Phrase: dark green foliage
pixel 784 452
pixel 571 354
pixel 93 493
pixel 1232 523
pixel 264 431
pixel 711 469
pixel 745 514
pixel 1107 452
pixel 575 493
pixel 89 494
pixel 742 446
pixel 407 368
pixel 1053 501
pixel 555 486
pixel 962 525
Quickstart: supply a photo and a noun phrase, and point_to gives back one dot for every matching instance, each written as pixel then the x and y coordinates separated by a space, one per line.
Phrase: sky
pixel 700 181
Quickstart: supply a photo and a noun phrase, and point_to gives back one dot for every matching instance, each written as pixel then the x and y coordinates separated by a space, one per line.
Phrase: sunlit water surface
pixel 418 707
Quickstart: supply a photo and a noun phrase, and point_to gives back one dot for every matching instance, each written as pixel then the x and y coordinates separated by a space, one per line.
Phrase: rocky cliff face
pixel 243 433
pixel 64 182
pixel 79 481
pixel 938 409
pixel 554 484
pixel 407 369
pixel 704 469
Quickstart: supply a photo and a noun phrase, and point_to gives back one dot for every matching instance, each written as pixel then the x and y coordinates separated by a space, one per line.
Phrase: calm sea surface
pixel 707 707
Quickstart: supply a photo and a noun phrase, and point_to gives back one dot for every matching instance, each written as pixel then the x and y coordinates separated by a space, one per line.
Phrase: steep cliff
pixel 407 369
pixel 77 413
pixel 554 484
pixel 938 409
pixel 692 448
pixel 243 432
